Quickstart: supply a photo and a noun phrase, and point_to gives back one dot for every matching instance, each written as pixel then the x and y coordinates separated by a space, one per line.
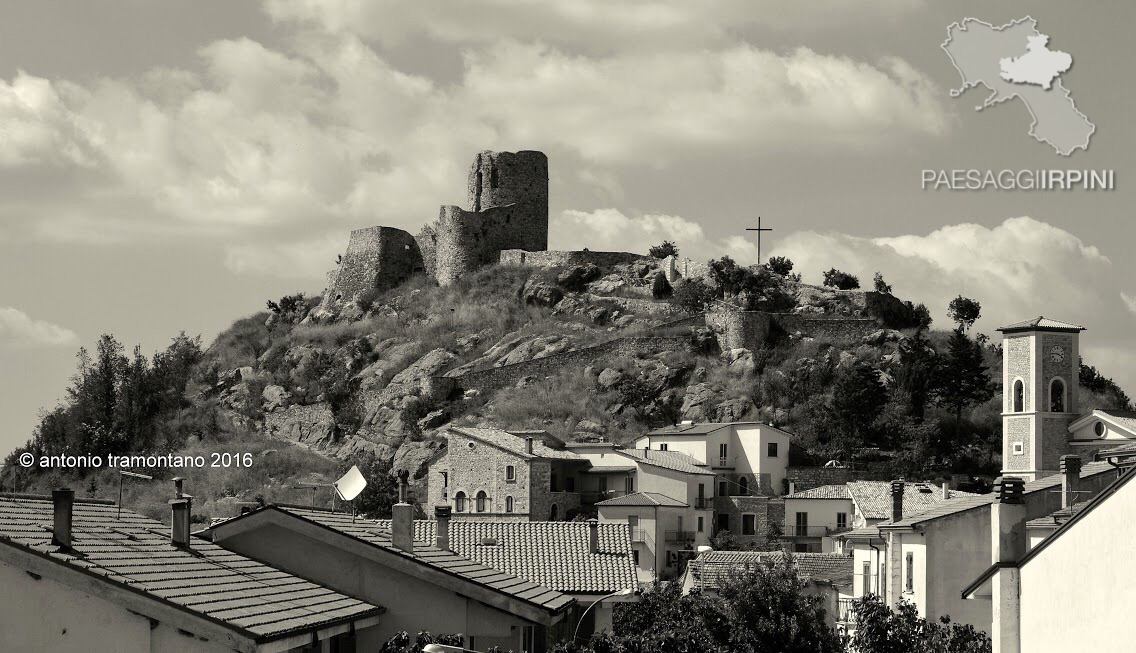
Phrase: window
pixel 508 504
pixel 553 486
pixel 771 450
pixel 553 513
pixel 910 572
pixel 1098 428
pixel 722 450
pixel 723 522
pixel 459 502
pixel 663 447
pixel 445 479
pixel 603 485
pixel 635 556
pixel 842 520
pixel 629 484
pixel 749 524
pixel 881 588
pixel 866 583
pixel 743 485
pixel 481 501
pixel 802 524
pixel 528 633
pixel 510 474
pixel 723 489
pixel 1019 396
pixel 1057 396
pixel 700 525
pixel 1019 448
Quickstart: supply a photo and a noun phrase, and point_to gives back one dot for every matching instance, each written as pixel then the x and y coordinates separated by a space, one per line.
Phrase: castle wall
pixel 519 179
pixel 551 259
pixel 739 329
pixel 750 329
pixel 377 258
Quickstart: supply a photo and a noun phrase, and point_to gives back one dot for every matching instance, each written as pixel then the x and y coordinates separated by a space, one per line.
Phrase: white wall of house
pixel 751 442
pixel 683 487
pixel 646 542
pixel 1071 592
pixel 694 446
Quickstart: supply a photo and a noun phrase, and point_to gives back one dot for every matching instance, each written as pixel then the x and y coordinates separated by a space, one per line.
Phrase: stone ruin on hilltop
pixel 507 209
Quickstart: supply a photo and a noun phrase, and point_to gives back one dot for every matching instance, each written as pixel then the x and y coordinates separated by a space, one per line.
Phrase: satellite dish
pixel 350 484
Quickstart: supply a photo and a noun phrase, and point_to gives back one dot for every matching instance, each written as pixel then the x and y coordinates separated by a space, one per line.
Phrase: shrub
pixel 692 295
pixel 840 280
pixel 881 285
pixel 780 265
pixel 663 250
pixel 366 299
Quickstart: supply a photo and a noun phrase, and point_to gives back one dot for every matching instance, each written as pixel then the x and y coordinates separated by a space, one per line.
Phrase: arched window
pixel 1057 396
pixel 508 504
pixel 1019 396
pixel 459 502
pixel 743 485
pixel 510 473
pixel 553 513
pixel 481 497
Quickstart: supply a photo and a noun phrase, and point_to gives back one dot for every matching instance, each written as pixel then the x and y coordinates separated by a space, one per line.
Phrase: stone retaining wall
pixel 552 259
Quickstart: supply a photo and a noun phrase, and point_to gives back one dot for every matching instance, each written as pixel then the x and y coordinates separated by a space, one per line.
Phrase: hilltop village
pixel 569 440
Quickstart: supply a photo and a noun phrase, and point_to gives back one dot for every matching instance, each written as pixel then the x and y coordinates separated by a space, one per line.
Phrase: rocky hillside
pixel 581 351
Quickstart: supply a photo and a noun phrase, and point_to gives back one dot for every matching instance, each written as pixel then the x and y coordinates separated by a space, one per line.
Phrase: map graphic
pixel 1014 61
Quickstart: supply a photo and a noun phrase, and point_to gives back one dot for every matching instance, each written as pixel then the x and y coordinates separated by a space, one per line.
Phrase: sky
pixel 170 166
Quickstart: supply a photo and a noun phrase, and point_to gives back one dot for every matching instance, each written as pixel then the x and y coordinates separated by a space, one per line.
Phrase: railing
pixel 807 531
pixel 704 503
pixel 845 611
pixel 724 461
pixel 679 536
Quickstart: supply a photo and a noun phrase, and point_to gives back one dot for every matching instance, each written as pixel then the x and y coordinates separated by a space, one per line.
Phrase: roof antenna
pixel 121 475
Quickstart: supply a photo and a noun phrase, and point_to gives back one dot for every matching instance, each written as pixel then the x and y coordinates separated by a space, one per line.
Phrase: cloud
pixel 36 127
pixel 306 259
pixel 613 230
pixel 1129 301
pixel 587 24
pixel 19 331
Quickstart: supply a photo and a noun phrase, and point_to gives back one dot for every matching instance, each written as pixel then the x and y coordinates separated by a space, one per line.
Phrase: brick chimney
pixel 402 517
pixel 62 500
pixel 1007 546
pixel 594 535
pixel 442 515
pixel 897 500
pixel 529 445
pixel 1070 479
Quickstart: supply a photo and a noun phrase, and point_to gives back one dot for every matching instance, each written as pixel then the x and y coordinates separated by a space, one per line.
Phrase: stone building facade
pixel 377 258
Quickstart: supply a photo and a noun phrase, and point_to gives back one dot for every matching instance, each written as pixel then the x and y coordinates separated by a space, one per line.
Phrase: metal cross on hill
pixel 758 229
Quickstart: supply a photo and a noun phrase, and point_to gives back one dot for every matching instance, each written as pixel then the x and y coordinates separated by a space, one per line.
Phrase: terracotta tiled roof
pixel 515 443
pixel 135 552
pixel 964 503
pixel 554 554
pixel 1126 418
pixel 713 568
pixel 672 460
pixel 643 499
pixel 455 561
pixel 822 492
pixel 1041 323
pixel 873 498
pixel 865 533
pixel 693 429
pixel 1128 449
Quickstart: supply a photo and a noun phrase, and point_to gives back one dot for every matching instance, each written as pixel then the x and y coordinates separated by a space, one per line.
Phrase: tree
pixel 401 642
pixel 916 374
pixel 922 316
pixel 857 398
pixel 660 287
pixel 879 629
pixel 382 487
pixel 780 265
pixel 964 311
pixel 962 378
pixel 755 290
pixel 1112 395
pixel 692 295
pixel 881 286
pixel 840 280
pixel 663 250
pixel 762 609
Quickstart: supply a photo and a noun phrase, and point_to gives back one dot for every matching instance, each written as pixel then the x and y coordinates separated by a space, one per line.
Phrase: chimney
pixel 179 531
pixel 529 445
pixel 442 514
pixel 792 487
pixel 62 499
pixel 402 517
pixel 178 485
pixel 594 535
pixel 897 500
pixel 1007 546
pixel 1070 479
pixel 946 490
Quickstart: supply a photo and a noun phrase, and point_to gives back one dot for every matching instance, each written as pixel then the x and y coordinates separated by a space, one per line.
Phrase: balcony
pixel 679 536
pixel 798 531
pixel 704 503
pixel 845 611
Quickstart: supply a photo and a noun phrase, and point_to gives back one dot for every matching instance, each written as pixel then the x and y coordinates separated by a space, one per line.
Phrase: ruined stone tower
pixel 508 209
pixel 378 258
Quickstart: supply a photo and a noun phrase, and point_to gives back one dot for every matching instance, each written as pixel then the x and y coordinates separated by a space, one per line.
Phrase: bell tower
pixel 1040 394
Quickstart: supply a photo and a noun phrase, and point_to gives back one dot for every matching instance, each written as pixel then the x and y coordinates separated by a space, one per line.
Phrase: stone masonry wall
pixel 551 259
pixel 739 329
pixel 377 258
pixel 495 378
pixel 481 468
pixel 750 329
pixel 519 179
pixel 806 478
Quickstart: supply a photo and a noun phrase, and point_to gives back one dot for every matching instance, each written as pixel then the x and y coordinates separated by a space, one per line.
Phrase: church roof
pixel 1041 323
